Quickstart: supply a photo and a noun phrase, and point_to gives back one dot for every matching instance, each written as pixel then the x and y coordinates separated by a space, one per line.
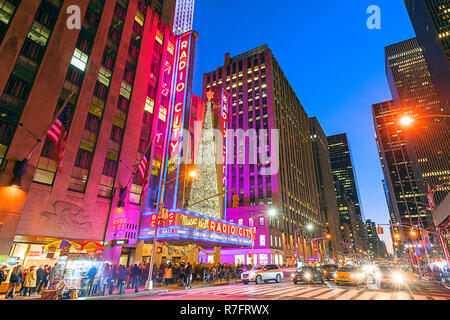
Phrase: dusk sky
pixel 332 60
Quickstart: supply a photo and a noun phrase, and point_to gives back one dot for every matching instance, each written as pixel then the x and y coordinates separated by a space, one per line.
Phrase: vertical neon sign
pixel 225 100
pixel 180 109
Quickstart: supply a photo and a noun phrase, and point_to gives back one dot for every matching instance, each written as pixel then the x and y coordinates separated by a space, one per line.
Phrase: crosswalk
pixel 319 292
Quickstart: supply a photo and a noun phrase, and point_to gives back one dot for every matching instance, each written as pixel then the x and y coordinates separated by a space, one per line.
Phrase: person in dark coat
pixel 14 281
pixel 121 278
pixel 137 277
pixel 188 275
pixel 41 275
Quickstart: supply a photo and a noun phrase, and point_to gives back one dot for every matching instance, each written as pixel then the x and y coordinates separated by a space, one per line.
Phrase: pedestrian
pixel 30 282
pixel 188 275
pixel 121 278
pixel 3 275
pixel 168 274
pixel 90 280
pixel 40 279
pixel 14 281
pixel 137 277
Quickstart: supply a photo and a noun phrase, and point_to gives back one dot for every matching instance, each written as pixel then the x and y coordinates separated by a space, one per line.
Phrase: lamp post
pixel 160 217
pixel 272 212
pixel 309 227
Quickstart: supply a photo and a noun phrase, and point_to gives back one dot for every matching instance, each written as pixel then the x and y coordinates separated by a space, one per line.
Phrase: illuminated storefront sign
pixel 188 225
pixel 225 101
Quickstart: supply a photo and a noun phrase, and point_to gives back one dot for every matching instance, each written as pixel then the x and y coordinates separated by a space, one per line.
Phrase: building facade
pixel 427 138
pixel 276 175
pixel 430 19
pixel 377 248
pixel 327 194
pixel 345 179
pixel 402 183
pixel 184 16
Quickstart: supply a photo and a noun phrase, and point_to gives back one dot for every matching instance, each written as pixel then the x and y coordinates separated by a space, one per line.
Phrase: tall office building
pixel 263 99
pixel 344 175
pixel 325 185
pixel 402 183
pixel 431 22
pixel 119 68
pixel 377 248
pixel 427 138
pixel 184 16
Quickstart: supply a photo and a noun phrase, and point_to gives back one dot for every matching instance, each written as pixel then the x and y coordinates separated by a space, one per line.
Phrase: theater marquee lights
pixel 184 224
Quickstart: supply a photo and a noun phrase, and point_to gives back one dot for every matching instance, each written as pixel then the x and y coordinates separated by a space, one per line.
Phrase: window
pixel 79 60
pixel 241 221
pixel 261 221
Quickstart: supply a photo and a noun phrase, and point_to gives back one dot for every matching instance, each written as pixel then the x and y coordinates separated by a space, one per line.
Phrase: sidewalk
pixel 130 293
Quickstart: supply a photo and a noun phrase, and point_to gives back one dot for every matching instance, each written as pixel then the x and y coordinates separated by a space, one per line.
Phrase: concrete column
pixel 217 255
pixel 139 251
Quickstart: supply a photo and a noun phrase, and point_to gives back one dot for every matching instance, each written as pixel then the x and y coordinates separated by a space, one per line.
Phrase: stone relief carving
pixel 67 217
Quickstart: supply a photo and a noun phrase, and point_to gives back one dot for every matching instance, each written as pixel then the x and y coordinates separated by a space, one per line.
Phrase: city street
pixel 417 290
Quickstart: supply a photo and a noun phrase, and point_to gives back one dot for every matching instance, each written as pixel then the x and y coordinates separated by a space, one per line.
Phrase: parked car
pixel 349 275
pixel 262 273
pixel 308 275
pixel 329 270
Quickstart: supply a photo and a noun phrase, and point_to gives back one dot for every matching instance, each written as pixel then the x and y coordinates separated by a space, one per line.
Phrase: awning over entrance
pixel 183 227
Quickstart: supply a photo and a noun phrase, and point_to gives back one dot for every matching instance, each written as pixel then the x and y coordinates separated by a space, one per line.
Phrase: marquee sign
pixel 190 225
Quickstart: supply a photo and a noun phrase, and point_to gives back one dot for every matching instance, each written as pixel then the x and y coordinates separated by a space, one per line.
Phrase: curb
pixel 148 293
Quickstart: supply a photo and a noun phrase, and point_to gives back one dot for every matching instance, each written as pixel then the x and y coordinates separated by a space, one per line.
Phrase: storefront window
pixel 263 259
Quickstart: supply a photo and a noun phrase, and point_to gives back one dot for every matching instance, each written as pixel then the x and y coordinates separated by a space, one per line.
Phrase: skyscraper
pixel 430 19
pixel 184 16
pixel 262 103
pixel 402 183
pixel 325 185
pixel 344 176
pixel 427 138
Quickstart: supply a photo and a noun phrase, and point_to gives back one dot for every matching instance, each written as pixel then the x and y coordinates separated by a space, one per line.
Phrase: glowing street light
pixel 406 121
pixel 310 227
pixel 193 174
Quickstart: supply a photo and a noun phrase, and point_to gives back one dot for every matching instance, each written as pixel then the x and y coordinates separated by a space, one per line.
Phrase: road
pixel 416 290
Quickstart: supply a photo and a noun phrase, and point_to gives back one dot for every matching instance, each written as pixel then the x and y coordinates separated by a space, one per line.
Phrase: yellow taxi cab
pixel 349 275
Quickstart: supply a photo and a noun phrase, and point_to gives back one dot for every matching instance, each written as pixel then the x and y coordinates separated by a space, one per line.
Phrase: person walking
pixel 14 281
pixel 168 274
pixel 188 275
pixel 91 277
pixel 30 282
pixel 3 275
pixel 41 274
pixel 137 277
pixel 121 278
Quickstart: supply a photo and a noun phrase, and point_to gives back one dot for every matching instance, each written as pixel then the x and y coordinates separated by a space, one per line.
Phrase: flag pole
pixel 55 117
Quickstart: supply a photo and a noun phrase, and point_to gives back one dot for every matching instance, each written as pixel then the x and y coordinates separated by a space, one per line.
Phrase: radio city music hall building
pixel 131 81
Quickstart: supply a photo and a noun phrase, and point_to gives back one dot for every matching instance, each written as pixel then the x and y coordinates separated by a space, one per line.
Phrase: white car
pixel 263 273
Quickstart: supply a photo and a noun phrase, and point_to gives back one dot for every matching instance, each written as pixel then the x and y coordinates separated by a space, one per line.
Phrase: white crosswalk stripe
pixel 297 292
pixel 420 297
pixel 348 295
pixel 330 294
pixel 366 295
pixel 383 296
pixel 315 292
pixel 403 296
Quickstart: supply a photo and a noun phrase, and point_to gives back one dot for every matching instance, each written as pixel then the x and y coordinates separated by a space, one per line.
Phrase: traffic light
pixel 396 244
pixel 235 201
pixel 380 230
pixel 159 250
pixel 328 236
pixel 397 236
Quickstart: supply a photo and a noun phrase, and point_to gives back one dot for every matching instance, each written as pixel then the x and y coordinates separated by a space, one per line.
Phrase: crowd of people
pixel 108 278
pixel 27 282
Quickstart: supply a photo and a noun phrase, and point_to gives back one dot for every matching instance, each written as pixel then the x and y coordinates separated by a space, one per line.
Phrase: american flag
pixel 144 172
pixel 58 134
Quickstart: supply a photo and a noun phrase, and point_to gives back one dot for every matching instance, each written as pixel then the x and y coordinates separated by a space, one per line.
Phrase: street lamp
pixel 271 213
pixel 308 227
pixel 407 120
pixel 159 217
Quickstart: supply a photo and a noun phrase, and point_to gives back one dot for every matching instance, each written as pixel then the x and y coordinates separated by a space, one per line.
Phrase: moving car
pixel 349 275
pixel 262 273
pixel 308 275
pixel 390 275
pixel 329 270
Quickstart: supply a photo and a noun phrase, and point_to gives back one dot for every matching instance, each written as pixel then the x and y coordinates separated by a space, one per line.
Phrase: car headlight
pixel 335 275
pixel 378 275
pixel 307 275
pixel 397 277
pixel 292 275
pixel 359 275
pixel 352 276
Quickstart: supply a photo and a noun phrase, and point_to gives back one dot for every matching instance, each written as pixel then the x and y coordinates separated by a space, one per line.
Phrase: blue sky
pixel 332 60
